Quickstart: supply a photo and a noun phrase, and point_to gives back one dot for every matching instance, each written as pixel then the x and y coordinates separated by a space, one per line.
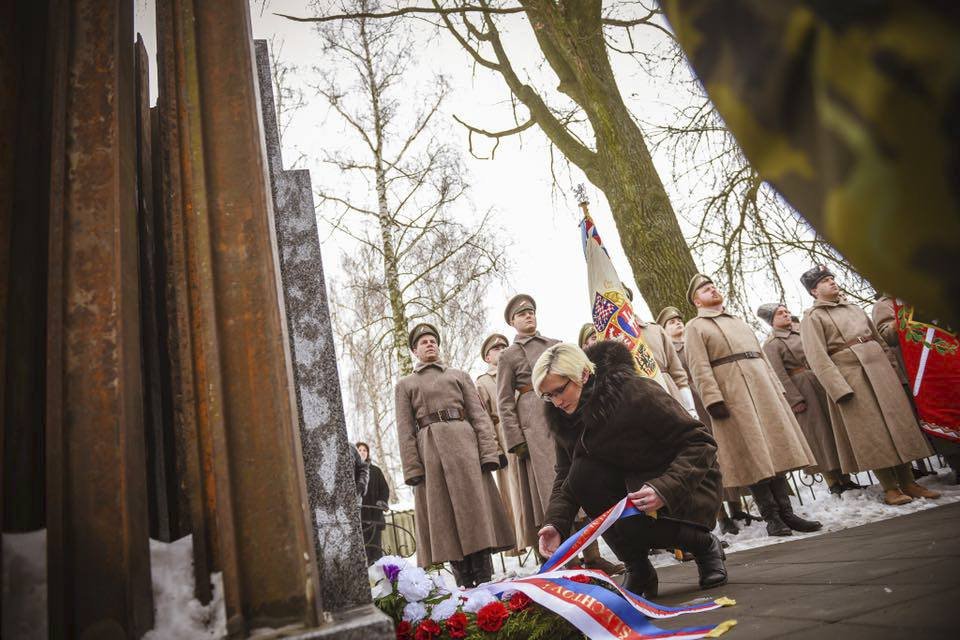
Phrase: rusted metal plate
pixel 173 201
pixel 97 533
pixel 243 381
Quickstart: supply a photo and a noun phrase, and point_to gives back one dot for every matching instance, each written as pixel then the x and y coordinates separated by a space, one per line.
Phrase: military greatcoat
pixel 872 418
pixel 784 350
pixel 666 356
pixel 523 421
pixel 508 481
pixel 457 505
pixel 761 437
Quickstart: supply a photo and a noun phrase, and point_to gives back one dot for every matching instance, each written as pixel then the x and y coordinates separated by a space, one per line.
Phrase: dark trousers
pixel 372 542
pixel 598 487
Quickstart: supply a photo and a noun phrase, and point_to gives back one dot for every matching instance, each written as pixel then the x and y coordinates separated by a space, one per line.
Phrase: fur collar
pixel 601 396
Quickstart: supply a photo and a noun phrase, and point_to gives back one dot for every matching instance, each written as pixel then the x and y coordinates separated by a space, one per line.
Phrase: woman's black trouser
pixel 598 487
pixel 373 541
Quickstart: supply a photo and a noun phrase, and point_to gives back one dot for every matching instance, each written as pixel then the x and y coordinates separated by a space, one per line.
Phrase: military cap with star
pixel 492 340
pixel 696 282
pixel 666 314
pixel 420 330
pixel 518 303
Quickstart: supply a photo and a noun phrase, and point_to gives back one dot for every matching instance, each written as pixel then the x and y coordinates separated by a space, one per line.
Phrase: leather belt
pixel 527 388
pixel 798 370
pixel 733 357
pixel 444 415
pixel 850 343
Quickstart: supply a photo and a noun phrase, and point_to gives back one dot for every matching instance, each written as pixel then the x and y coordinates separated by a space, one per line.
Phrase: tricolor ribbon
pixel 599 612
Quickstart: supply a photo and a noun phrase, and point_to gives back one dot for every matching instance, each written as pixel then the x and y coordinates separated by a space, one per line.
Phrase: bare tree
pixel 432 266
pixel 288 97
pixel 586 119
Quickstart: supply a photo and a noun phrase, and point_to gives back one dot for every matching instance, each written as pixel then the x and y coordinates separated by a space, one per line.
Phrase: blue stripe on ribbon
pixel 554 561
pixel 637 622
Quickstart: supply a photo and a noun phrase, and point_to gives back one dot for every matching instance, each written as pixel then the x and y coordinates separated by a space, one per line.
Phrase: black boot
pixel 849 483
pixel 484 568
pixel 708 553
pixel 641 578
pixel 727 525
pixel 769 510
pixel 460 572
pixel 781 495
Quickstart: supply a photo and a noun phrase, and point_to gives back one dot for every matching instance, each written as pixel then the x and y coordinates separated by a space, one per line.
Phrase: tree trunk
pixel 571 38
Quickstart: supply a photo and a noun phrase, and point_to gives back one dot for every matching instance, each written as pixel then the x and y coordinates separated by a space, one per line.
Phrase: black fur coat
pixel 632 425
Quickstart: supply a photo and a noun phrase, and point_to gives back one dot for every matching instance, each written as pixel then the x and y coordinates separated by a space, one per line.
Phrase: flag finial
pixel 582 200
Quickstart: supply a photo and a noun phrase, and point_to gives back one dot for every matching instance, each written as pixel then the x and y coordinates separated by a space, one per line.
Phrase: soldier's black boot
pixel 781 494
pixel 727 525
pixel 641 578
pixel 460 572
pixel 769 510
pixel 708 554
pixel 484 568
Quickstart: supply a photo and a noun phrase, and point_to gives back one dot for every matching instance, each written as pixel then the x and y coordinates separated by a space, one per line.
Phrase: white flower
pixel 414 612
pixel 445 608
pixel 477 600
pixel 439 582
pixel 414 584
pixel 382 588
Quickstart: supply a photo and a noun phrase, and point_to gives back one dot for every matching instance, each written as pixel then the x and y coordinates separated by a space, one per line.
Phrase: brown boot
pixel 915 490
pixel 895 497
pixel 593 560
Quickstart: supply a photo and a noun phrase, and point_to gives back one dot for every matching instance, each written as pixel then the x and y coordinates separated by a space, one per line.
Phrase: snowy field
pixel 180 616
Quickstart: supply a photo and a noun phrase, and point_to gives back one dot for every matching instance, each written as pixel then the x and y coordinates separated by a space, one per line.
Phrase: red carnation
pixel 428 630
pixel 457 625
pixel 519 601
pixel 581 578
pixel 403 630
pixel 492 616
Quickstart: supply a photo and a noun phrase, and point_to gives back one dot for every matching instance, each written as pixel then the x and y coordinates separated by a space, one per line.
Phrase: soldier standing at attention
pixel 758 438
pixel 672 322
pixel 506 477
pixel 806 396
pixel 521 413
pixel 872 417
pixel 449 451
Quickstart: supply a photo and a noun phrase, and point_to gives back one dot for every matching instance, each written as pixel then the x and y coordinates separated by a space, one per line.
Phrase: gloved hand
pixel 503 461
pixel 522 451
pixel 719 410
pixel 488 467
pixel 414 481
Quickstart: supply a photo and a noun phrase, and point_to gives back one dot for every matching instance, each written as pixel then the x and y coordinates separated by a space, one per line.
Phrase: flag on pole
pixel 931 355
pixel 613 315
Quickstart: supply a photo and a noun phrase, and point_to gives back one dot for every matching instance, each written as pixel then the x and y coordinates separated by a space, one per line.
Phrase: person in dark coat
pixel 361 474
pixel 618 433
pixel 373 507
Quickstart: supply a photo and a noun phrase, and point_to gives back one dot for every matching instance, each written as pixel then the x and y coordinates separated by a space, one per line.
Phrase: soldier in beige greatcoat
pixel 521 414
pixel 507 478
pixel 805 395
pixel 872 419
pixel 448 451
pixel 758 438
pixel 672 322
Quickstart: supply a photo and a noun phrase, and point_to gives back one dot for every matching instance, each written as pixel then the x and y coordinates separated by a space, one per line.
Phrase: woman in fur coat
pixel 618 433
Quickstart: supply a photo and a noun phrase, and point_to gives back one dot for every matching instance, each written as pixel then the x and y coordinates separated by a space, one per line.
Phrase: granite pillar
pixel 327 456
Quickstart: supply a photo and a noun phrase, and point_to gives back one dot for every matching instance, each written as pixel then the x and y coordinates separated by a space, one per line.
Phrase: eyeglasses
pixel 553 395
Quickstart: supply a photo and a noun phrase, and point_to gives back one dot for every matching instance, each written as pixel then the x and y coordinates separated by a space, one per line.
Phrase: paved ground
pixel 899 578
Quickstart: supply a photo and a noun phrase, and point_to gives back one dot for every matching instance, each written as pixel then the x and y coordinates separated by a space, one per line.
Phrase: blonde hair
pixel 563 359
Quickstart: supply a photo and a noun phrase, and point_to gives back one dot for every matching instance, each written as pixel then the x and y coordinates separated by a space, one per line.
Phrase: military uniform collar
pixel 703 312
pixel 492 371
pixel 783 333
pixel 525 339
pixel 420 366
pixel 826 303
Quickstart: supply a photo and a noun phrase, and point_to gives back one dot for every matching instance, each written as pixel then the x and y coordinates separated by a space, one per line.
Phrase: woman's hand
pixel 549 540
pixel 646 499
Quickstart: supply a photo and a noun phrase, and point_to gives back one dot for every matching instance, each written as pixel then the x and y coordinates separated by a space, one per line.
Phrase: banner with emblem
pixel 930 355
pixel 612 312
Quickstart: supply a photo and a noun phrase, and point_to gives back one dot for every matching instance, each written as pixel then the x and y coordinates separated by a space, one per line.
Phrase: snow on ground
pixel 177 613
